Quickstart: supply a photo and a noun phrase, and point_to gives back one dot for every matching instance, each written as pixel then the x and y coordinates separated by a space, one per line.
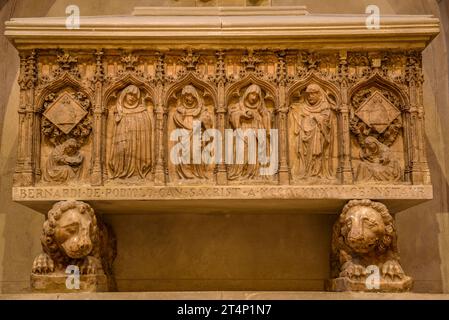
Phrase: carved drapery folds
pixel 131 145
pixel 250 119
pixel 190 118
pixel 106 116
pixel 313 135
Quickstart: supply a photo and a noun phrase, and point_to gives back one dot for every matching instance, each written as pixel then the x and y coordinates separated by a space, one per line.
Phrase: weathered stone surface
pixel 78 251
pixel 365 255
pixel 349 122
pixel 57 284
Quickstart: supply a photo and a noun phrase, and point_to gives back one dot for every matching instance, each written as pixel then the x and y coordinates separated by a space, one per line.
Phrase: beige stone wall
pixel 233 252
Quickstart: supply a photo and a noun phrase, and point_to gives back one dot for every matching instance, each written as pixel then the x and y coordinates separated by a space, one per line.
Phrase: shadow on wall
pixel 418 234
pixel 20 227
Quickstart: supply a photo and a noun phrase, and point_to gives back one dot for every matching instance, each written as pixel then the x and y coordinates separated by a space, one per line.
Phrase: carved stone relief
pixel 341 118
pixel 191 115
pixel 131 146
pixel 365 255
pixel 74 241
pixel 377 128
pixel 250 118
pixel 66 127
pixel 314 130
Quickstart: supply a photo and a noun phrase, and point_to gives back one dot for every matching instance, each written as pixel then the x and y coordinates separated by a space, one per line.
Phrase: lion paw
pixel 90 265
pixel 392 269
pixel 353 271
pixel 43 264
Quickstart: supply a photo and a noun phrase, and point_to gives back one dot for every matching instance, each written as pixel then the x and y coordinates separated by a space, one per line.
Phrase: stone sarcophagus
pixel 226 110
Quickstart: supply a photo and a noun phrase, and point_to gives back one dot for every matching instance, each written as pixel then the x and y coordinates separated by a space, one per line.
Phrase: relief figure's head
pixel 71 147
pixel 313 94
pixel 190 98
pixel 131 97
pixel 253 97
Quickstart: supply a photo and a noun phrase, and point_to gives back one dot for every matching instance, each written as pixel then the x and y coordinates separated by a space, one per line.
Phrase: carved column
pixel 220 111
pixel 98 123
pixel 345 167
pixel 25 169
pixel 161 116
pixel 419 170
pixel 282 111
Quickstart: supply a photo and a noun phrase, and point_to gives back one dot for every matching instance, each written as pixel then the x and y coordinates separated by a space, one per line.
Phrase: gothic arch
pixel 65 81
pixel 121 83
pixel 313 78
pixel 190 78
pixel 377 81
pixel 248 80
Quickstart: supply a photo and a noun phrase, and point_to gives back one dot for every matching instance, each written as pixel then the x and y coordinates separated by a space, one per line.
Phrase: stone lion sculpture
pixel 73 236
pixel 364 240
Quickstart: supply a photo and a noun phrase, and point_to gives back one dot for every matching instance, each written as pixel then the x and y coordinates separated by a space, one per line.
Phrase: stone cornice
pixel 276 27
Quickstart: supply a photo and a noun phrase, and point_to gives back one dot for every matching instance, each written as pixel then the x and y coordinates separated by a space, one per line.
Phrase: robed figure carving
pixel 131 141
pixel 250 112
pixel 64 162
pixel 190 110
pixel 378 163
pixel 314 130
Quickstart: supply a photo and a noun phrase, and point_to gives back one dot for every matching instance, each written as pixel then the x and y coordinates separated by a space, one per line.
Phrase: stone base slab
pixel 57 284
pixel 345 284
pixel 228 295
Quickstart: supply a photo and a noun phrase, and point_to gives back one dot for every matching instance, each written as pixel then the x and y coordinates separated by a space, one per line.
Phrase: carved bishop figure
pixel 313 128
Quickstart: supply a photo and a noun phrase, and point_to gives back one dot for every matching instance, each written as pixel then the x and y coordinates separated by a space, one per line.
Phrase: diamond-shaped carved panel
pixel 377 112
pixel 65 113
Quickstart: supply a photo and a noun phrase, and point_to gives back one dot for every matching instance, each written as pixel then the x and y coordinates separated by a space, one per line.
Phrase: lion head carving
pixel 364 236
pixel 70 231
pixel 365 226
pixel 72 235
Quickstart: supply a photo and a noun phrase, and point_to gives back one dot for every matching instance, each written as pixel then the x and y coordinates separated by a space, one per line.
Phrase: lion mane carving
pixel 72 235
pixel 364 236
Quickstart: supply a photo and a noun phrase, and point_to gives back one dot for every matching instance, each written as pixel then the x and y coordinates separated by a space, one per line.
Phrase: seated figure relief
pixel 364 240
pixel 378 163
pixel 250 112
pixel 191 114
pixel 315 130
pixel 376 124
pixel 131 150
pixel 73 236
pixel 64 162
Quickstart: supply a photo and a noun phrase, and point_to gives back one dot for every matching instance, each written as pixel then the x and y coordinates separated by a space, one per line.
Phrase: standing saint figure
pixel 314 130
pixel 131 142
pixel 249 113
pixel 378 163
pixel 189 109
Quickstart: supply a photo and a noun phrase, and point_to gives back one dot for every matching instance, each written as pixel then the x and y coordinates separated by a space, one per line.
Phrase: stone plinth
pixel 57 284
